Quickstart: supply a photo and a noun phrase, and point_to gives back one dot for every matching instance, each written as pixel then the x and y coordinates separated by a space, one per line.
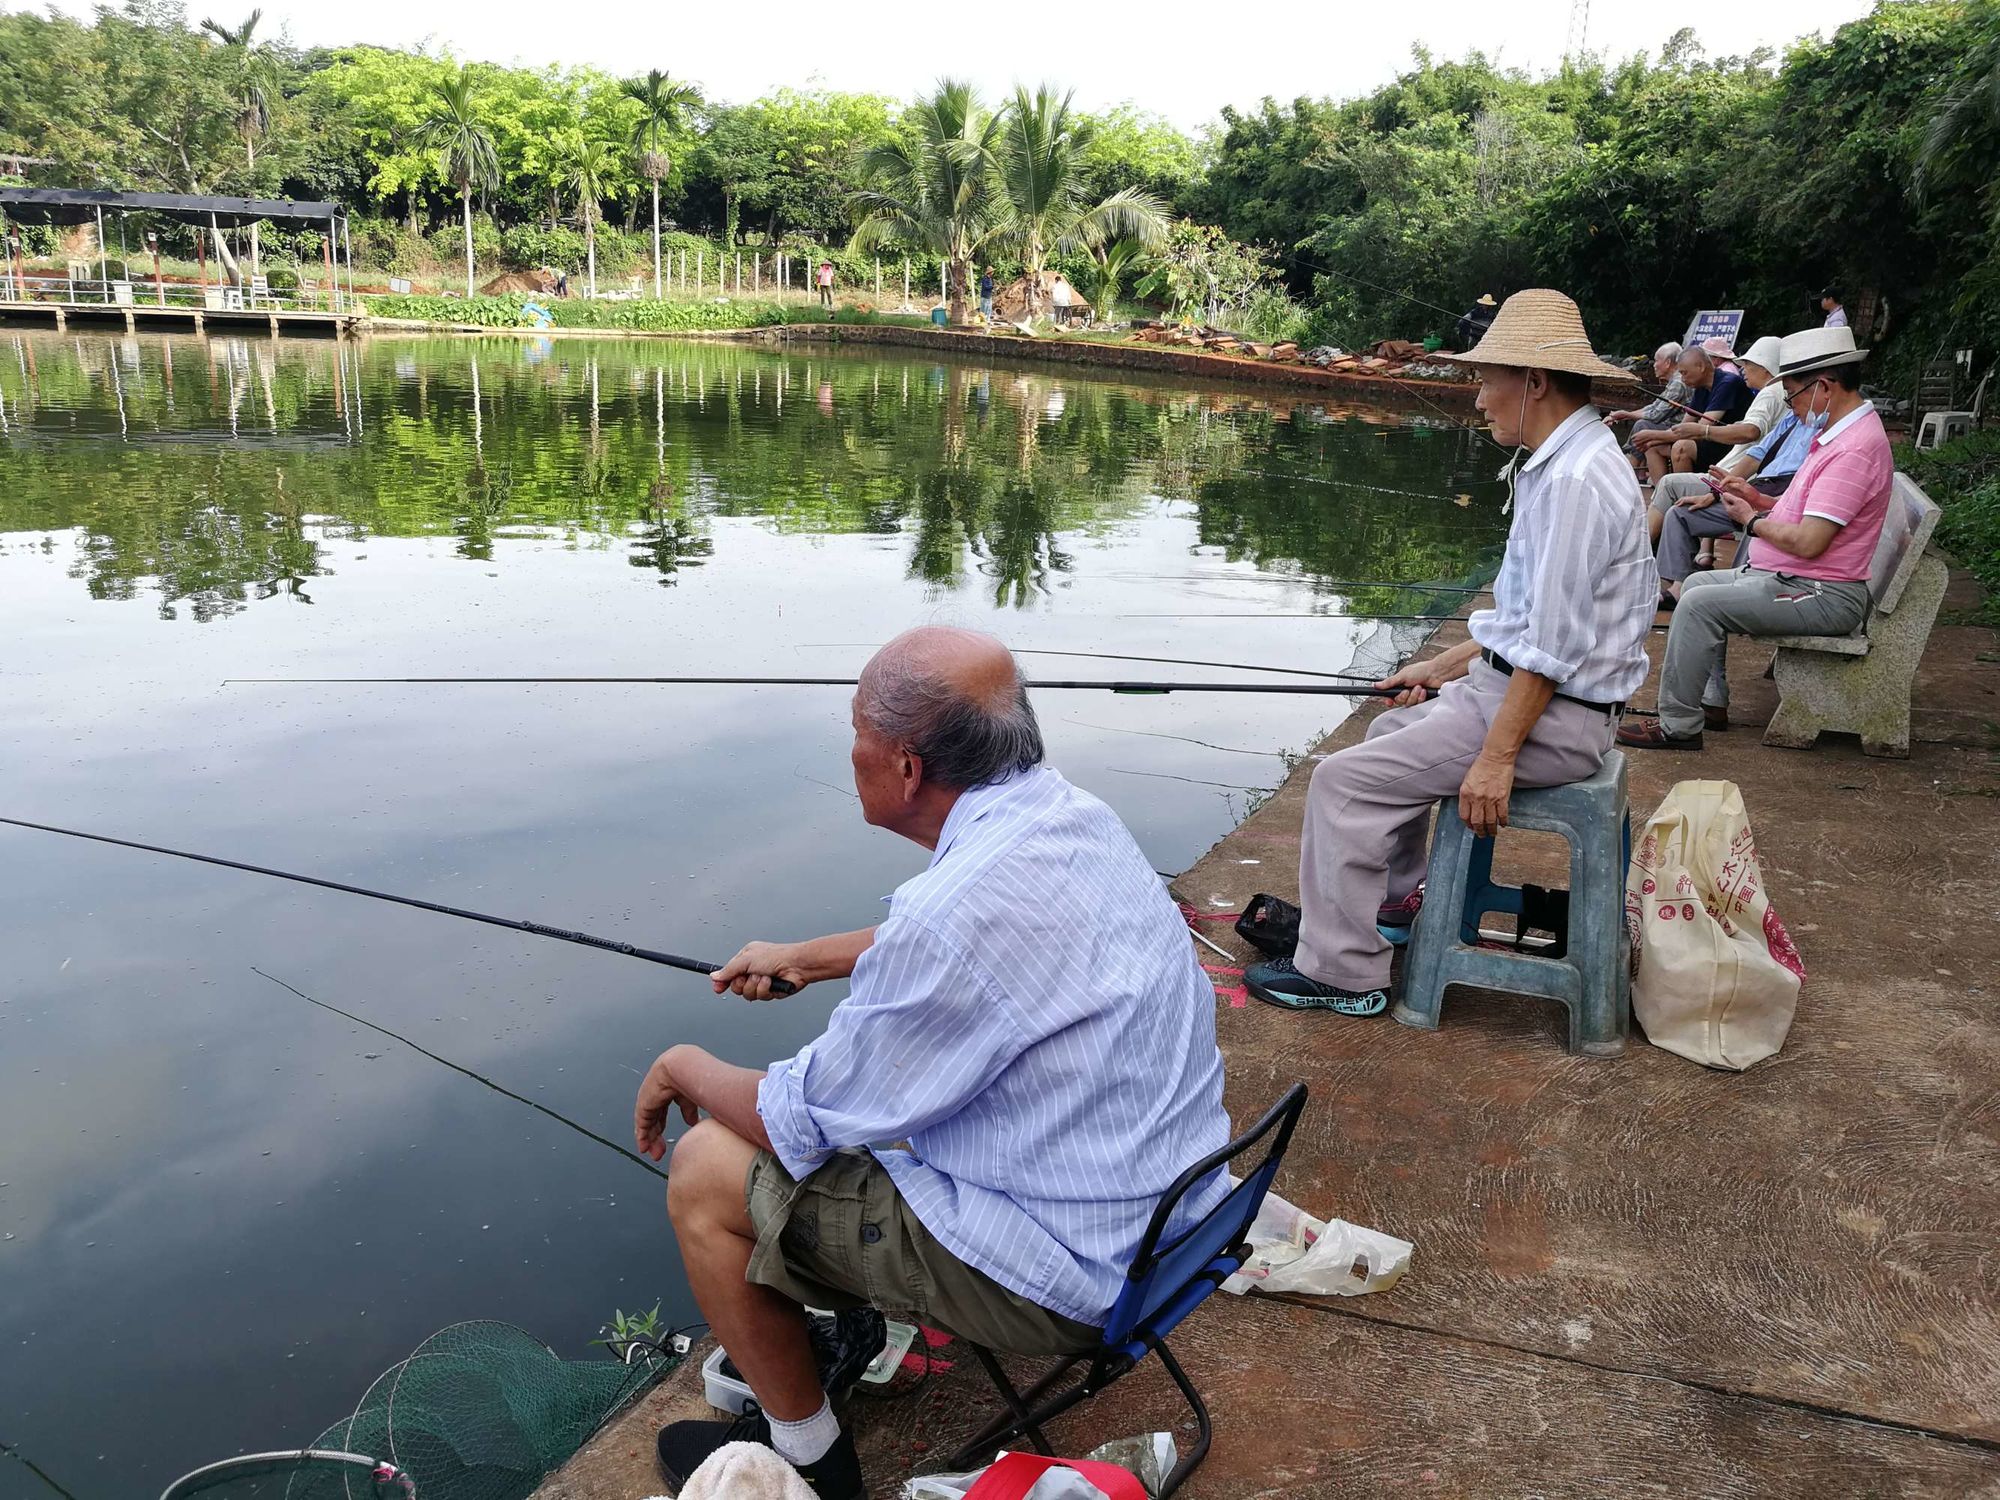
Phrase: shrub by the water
pixel 529 245
pixel 643 316
pixel 1964 478
pixel 447 244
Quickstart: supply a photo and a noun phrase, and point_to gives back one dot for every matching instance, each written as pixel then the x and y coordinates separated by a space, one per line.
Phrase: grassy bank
pixel 642 315
pixel 1964 478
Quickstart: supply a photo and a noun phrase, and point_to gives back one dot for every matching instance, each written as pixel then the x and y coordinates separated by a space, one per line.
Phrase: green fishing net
pixel 479 1411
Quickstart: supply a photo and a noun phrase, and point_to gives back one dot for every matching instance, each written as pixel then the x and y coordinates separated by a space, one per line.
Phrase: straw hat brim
pixel 1572 361
pixel 1539 329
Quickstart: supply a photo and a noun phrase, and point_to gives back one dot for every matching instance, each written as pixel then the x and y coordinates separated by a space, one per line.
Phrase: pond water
pixel 223 1211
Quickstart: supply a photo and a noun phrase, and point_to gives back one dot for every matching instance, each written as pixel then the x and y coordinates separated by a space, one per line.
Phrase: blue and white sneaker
pixel 1279 982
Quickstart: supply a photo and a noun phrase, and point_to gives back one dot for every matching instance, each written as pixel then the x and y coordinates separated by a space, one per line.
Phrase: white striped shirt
pixel 1032 1029
pixel 1577 589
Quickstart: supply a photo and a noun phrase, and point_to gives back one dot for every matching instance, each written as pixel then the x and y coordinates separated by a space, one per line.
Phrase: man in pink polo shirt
pixel 1809 552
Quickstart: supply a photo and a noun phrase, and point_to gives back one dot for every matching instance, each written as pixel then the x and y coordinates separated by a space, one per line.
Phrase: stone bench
pixel 1860 683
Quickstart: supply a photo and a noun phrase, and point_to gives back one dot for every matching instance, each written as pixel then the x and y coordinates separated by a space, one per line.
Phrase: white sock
pixel 805 1442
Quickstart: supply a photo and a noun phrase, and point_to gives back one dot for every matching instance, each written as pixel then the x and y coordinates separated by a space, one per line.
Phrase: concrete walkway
pixel 1633 1277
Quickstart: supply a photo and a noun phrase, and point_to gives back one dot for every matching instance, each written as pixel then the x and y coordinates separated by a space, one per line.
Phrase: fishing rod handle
pixel 631 950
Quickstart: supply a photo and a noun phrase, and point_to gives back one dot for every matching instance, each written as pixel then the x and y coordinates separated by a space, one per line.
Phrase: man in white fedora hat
pixel 1807 570
pixel 1531 700
pixel 1684 518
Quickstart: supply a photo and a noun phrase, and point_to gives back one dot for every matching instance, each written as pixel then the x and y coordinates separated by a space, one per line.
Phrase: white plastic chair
pixel 1942 426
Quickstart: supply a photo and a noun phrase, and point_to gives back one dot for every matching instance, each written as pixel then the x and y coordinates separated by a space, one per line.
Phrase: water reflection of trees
pixel 222 476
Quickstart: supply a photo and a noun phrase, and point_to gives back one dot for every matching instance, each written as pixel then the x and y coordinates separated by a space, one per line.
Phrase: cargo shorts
pixel 844 1237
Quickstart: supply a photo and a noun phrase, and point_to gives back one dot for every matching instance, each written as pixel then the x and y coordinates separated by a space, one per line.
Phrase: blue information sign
pixel 1708 325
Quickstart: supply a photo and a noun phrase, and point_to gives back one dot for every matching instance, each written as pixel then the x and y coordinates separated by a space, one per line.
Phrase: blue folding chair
pixel 1165 1284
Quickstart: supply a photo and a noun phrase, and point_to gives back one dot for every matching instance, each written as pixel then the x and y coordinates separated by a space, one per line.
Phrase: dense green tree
pixel 1267 184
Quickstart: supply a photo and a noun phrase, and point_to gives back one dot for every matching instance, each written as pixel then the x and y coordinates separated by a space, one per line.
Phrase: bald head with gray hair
pixel 954 699
pixel 1696 363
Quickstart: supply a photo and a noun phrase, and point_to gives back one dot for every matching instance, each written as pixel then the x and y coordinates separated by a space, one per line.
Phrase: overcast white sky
pixel 1178 58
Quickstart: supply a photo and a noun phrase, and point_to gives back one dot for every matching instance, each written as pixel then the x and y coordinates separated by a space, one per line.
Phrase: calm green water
pixel 222 1211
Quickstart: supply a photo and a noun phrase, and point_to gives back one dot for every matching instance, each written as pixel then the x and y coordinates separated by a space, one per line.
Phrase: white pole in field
pixel 906 281
pixel 878 281
pixel 756 274
pixel 944 284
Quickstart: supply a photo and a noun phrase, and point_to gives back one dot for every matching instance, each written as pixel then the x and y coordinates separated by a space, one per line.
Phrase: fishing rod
pixel 1181 661
pixel 1336 690
pixel 1263 615
pixel 1175 661
pixel 395 1036
pixel 563 934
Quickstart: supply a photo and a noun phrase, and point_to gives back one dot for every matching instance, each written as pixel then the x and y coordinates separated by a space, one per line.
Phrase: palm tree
pixel 663 108
pixel 1116 263
pixel 1041 172
pixel 936 187
pixel 588 168
pixel 253 113
pixel 1967 118
pixel 453 125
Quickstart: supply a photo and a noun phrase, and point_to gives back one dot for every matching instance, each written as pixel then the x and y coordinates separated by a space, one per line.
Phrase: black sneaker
pixel 685 1446
pixel 1279 982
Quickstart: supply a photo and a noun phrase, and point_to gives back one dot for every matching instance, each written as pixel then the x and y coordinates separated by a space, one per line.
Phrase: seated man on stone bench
pixel 1807 572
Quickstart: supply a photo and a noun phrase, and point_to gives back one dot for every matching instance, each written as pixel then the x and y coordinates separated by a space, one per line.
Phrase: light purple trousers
pixel 1367 819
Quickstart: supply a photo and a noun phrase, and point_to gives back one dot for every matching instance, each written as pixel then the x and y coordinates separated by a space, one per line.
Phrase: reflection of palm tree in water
pixel 1020 539
pixel 670 539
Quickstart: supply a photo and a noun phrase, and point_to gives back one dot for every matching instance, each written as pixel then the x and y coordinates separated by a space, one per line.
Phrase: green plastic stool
pixel 1593 980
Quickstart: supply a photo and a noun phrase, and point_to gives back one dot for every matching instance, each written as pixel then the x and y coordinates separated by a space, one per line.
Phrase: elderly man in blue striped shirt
pixel 1531 700
pixel 1024 1062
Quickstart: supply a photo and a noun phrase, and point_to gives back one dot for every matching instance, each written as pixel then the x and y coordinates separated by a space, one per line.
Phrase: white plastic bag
pixel 1715 977
pixel 1291 1251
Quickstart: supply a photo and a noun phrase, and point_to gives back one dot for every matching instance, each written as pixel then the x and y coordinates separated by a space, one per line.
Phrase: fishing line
pixel 1299 260
pixel 560 1119
pixel 1352 484
pixel 1336 690
pixel 10 1451
pixel 563 934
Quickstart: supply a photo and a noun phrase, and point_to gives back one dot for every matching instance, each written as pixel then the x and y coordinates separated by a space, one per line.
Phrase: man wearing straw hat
pixel 1810 553
pixel 1531 700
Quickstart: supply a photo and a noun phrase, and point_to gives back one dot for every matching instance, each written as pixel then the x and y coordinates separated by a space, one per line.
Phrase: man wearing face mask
pixel 1531 700
pixel 1809 555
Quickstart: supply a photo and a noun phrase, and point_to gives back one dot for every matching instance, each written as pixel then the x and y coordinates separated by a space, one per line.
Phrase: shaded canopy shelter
pixel 73 206
pixel 82 205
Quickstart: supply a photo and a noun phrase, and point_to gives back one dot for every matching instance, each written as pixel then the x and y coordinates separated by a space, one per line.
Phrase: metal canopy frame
pixel 81 206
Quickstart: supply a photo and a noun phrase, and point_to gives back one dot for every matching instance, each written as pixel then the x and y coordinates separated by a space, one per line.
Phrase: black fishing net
pixel 480 1411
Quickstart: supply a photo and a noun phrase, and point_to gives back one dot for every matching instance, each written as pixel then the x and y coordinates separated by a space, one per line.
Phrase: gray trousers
pixel 1682 529
pixel 1746 601
pixel 1368 811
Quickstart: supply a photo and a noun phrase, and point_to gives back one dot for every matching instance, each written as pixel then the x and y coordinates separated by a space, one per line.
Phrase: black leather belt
pixel 1505 668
